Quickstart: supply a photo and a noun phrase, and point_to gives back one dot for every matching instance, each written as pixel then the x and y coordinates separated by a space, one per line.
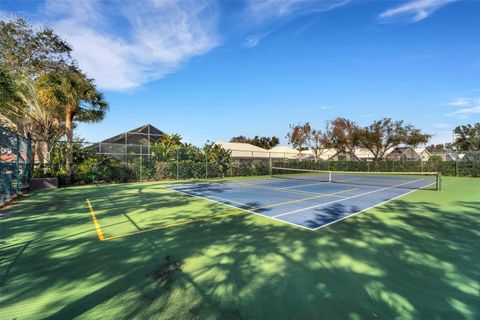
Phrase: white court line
pixel 348 198
pixel 305 185
pixel 376 205
pixel 304 227
pixel 223 183
pixel 195 188
pixel 249 211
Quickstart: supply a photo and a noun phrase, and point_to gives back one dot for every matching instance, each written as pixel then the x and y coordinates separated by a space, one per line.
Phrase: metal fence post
pixel 270 163
pixel 17 155
pixel 178 176
pixel 206 163
pixel 141 162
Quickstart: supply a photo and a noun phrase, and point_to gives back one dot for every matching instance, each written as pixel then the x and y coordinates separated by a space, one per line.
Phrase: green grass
pixel 413 258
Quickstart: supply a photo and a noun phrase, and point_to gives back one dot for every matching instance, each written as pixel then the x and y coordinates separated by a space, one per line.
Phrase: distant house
pixel 241 150
pixel 470 156
pixel 446 156
pixel 284 153
pixel 136 141
pixel 330 154
pixel 408 154
pixel 364 154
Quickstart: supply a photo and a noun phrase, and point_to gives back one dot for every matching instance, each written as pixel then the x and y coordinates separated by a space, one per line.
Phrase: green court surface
pixel 100 252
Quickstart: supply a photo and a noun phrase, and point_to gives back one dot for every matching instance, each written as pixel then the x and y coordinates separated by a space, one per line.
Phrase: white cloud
pixel 460 102
pixel 413 11
pixel 125 45
pixel 470 106
pixel 468 110
pixel 253 40
pixel 270 14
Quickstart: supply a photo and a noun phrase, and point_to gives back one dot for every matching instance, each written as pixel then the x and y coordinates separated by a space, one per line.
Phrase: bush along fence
pixel 107 162
pixel 16 159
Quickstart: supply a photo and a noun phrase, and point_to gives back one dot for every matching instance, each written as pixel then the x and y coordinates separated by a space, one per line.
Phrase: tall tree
pixel 32 52
pixel 343 135
pixel 384 134
pixel 74 93
pixel 468 137
pixel 165 149
pixel 26 53
pixel 300 135
pixel 303 136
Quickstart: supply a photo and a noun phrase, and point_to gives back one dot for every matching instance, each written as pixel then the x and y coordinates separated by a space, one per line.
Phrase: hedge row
pixel 446 168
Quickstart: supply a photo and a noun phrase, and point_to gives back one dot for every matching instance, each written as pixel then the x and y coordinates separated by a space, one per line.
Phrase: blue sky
pixel 212 70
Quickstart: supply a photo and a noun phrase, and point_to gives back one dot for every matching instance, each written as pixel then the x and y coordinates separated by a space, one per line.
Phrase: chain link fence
pixel 16 160
pixel 113 162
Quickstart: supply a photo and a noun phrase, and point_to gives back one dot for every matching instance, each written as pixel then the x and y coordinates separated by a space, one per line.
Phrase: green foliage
pixel 32 52
pixel 438 147
pixel 262 142
pixel 435 158
pixel 384 134
pixel 468 137
pixel 87 166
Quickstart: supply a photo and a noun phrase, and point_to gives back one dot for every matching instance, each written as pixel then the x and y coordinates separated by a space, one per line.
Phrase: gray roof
pixel 143 135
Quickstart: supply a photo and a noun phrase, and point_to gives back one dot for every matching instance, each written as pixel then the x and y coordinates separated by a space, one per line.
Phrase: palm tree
pixel 23 113
pixel 74 94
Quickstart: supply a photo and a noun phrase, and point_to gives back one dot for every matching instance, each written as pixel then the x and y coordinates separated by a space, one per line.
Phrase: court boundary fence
pixel 109 162
pixel 16 164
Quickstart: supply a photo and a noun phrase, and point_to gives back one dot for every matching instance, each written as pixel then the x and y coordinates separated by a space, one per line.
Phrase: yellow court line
pixel 310 198
pixel 286 190
pixel 224 215
pixel 95 221
pixel 319 195
pixel 232 201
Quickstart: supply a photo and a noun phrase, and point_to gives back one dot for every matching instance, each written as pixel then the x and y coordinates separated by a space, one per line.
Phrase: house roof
pixel 142 135
pixel 240 146
pixel 244 150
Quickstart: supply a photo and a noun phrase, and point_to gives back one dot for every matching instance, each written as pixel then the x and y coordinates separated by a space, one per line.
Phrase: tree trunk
pixel 69 133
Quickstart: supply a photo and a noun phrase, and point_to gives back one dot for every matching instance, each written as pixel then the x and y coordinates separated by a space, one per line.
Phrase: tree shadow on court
pixel 406 259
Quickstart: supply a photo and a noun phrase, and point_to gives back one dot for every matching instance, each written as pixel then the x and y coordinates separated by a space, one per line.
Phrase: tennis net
pixel 406 180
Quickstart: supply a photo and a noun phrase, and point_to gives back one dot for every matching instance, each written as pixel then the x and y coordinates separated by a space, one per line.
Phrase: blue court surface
pixel 307 204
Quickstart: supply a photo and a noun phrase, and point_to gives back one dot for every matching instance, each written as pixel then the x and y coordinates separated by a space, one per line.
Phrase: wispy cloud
pixel 461 102
pixel 270 14
pixel 155 37
pixel 326 107
pixel 413 11
pixel 470 106
pixel 252 40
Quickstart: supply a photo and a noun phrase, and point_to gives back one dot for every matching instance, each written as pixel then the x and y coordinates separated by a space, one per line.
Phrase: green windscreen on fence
pixel 15 164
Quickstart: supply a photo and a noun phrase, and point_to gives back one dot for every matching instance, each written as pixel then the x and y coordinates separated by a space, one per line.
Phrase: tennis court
pixel 311 199
pixel 414 257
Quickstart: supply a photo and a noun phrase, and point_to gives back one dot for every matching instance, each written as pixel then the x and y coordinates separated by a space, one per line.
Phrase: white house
pixel 408 154
pixel 244 150
pixel 284 153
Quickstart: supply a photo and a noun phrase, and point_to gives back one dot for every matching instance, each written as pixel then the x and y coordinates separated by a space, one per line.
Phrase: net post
pixel 330 176
pixel 439 181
